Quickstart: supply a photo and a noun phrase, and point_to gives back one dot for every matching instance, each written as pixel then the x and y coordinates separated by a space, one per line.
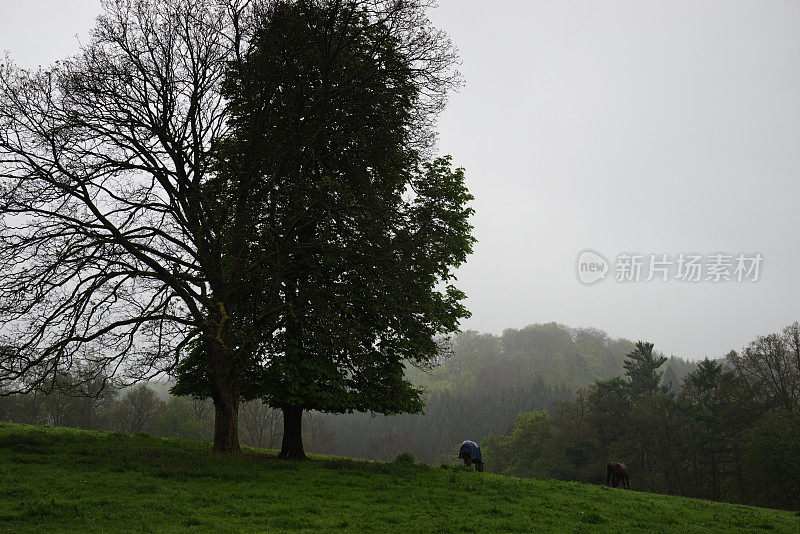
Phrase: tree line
pixel 479 389
pixel 728 432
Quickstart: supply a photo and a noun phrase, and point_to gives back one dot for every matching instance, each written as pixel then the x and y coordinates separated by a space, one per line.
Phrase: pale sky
pixel 623 127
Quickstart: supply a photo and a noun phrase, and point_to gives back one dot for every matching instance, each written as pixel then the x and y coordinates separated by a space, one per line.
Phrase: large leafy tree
pixel 330 122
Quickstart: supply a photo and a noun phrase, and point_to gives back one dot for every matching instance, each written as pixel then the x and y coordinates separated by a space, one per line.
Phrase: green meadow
pixel 58 479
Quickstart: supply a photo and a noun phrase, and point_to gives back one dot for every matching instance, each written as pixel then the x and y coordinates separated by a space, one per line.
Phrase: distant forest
pixel 478 390
pixel 730 431
pixel 481 388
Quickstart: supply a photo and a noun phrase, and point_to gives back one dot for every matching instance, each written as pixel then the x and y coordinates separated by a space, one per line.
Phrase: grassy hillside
pixel 55 479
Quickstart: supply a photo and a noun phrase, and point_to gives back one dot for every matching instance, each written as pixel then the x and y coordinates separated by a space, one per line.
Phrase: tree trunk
pixel 292 446
pixel 226 424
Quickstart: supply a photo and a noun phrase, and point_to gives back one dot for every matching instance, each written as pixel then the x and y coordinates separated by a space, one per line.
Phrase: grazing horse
pixel 617 473
pixel 471 453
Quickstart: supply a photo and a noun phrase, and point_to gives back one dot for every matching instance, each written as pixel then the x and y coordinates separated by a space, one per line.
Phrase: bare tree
pixel 141 406
pixel 770 367
pixel 322 436
pixel 261 425
pixel 110 258
pixel 202 408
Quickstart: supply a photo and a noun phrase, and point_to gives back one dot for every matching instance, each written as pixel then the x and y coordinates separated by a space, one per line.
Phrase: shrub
pixel 405 458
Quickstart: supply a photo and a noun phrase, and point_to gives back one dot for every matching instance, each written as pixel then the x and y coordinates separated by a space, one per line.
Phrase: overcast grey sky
pixel 639 127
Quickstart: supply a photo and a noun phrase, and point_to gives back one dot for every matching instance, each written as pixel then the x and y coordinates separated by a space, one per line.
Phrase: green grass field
pixel 56 479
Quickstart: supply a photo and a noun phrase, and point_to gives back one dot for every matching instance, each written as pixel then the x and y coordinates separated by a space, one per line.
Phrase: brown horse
pixel 617 473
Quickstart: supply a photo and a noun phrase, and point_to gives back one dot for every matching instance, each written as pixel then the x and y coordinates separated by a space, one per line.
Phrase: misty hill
pixel 558 354
pixel 481 388
pixel 63 480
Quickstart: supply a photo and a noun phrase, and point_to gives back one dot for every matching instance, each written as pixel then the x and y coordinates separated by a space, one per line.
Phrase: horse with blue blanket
pixel 471 453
